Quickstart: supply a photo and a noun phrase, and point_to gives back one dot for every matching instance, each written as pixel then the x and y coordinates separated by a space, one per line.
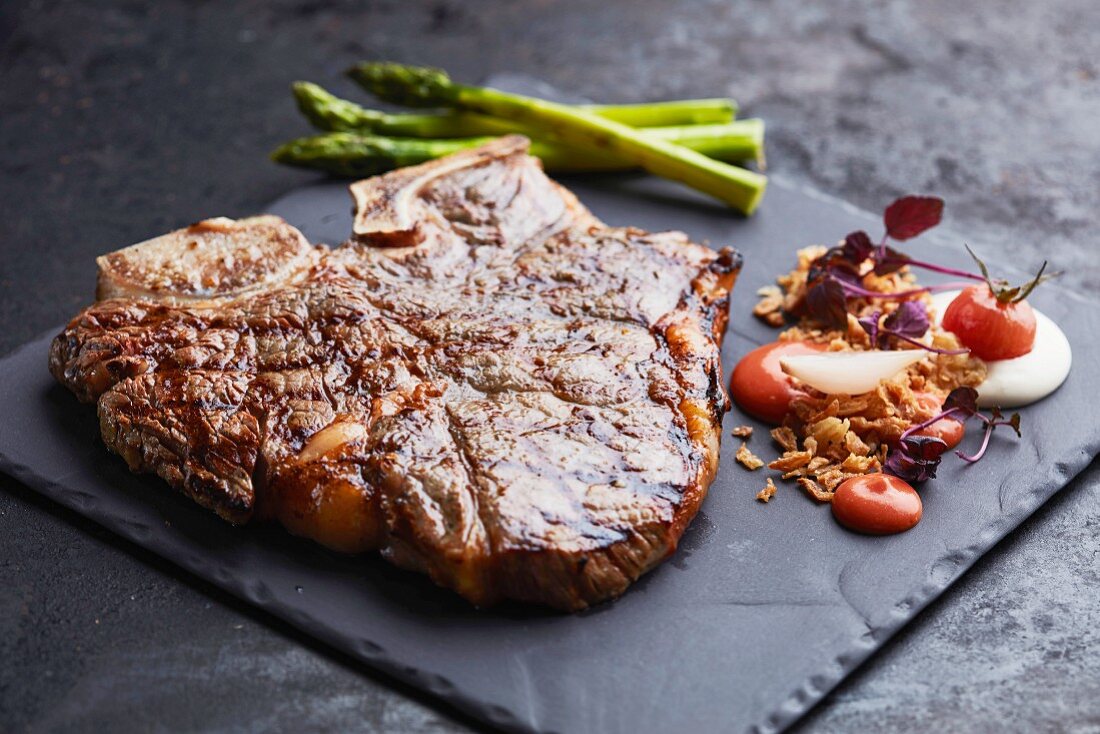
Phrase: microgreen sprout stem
pixel 861 292
pixel 916 458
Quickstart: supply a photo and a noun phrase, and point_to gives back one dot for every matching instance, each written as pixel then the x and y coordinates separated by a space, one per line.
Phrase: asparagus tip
pixel 412 86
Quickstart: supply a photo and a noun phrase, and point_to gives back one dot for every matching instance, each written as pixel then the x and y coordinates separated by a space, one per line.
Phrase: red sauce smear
pixel 877 504
pixel 759 385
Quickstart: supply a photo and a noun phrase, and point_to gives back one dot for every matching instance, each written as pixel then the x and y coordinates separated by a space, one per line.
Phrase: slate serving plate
pixel 761 611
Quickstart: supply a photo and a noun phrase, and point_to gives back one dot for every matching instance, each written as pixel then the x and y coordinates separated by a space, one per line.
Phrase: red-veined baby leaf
pixel 827 303
pixel 962 399
pixel 910 215
pixel 888 260
pixel 858 247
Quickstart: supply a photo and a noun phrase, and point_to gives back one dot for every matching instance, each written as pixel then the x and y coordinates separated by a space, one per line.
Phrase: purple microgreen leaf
pixel 910 319
pixel 962 400
pixel 827 303
pixel 870 325
pixel 846 275
pixel 907 323
pixel 908 216
pixel 835 261
pixel 858 247
pixel 911 469
pixel 923 448
pixel 888 260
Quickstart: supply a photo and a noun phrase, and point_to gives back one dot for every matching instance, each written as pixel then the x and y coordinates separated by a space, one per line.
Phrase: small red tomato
pixel 949 430
pixel 760 386
pixel 988 328
pixel 877 504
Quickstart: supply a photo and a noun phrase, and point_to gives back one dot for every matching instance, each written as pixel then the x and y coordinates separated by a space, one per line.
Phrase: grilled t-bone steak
pixel 485 382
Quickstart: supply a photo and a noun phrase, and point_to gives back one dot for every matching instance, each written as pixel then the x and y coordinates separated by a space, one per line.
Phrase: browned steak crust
pixel 485 383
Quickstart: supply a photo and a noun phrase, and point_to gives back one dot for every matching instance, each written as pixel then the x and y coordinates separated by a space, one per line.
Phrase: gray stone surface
pixel 123 120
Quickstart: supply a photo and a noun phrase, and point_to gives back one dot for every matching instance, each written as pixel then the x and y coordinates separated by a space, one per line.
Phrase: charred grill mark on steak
pixel 485 383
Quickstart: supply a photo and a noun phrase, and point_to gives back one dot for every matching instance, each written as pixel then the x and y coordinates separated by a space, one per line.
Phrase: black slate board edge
pixel 941 574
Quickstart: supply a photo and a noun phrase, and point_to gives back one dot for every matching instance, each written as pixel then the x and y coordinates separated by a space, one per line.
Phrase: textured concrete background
pixel 121 121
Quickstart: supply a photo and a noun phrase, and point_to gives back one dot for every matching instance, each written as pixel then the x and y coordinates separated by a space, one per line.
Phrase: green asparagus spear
pixel 668 114
pixel 326 111
pixel 733 142
pixel 422 87
pixel 358 154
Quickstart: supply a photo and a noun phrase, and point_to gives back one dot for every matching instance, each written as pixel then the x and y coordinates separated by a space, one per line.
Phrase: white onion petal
pixel 849 373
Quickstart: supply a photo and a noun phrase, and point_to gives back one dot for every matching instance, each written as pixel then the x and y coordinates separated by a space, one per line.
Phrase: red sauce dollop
pixel 759 385
pixel 877 504
pixel 949 430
